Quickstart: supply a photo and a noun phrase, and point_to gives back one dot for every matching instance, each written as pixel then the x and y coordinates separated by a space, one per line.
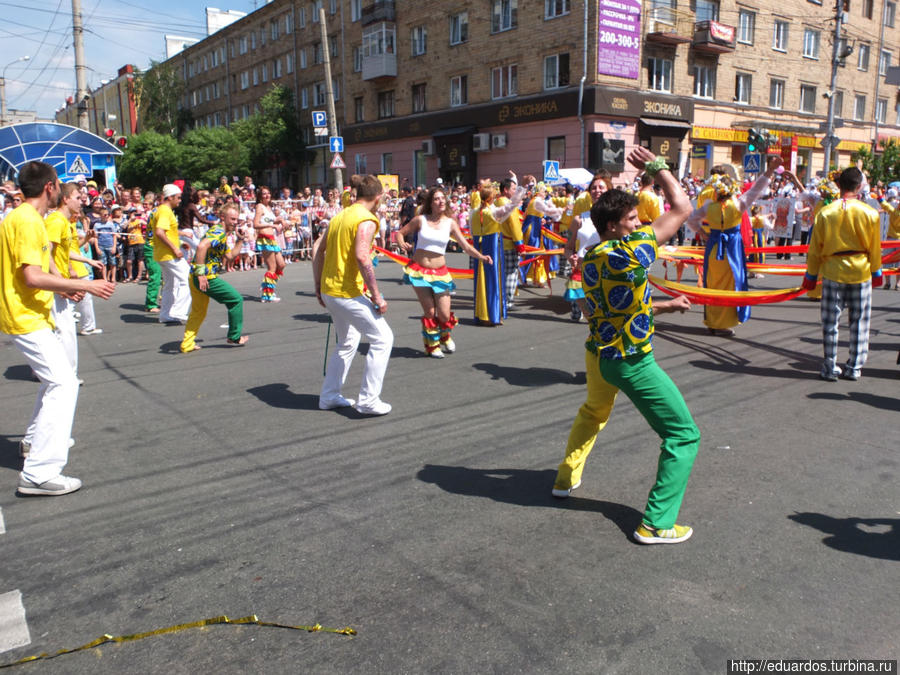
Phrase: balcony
pixel 379 65
pixel 712 37
pixel 667 27
pixel 379 56
pixel 380 10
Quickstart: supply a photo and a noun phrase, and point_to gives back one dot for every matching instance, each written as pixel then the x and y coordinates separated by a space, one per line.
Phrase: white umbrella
pixel 580 178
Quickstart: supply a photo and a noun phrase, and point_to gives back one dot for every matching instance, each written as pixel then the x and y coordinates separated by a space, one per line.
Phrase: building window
pixel 245 111
pixel 838 104
pixel 265 72
pixel 459 28
pixel 890 13
pixel 659 74
pixel 245 80
pixel 859 107
pixel 355 10
pixel 255 77
pixel 780 35
pixel 357 59
pixel 358 109
pixel 811 44
pixel 273 27
pixel 242 44
pixel 884 62
pixel 302 17
pixel 555 8
pixel 504 15
pixel 360 164
pixel 881 110
pixel 418 98
pixel 304 98
pixel 378 39
pixel 705 81
pixel 314 11
pixel 862 62
pixel 776 93
pixel 556 149
pixel 288 23
pixel 707 10
pixel 303 58
pixel 387 163
pixel 385 104
pixel 333 46
pixel 317 53
pixel 807 98
pixel 319 93
pixel 262 36
pixel 336 89
pixel 556 71
pixel 867 8
pixel 505 81
pixel 289 63
pixel 459 94
pixel 746 26
pixel 742 84
pixel 253 39
pixel 332 7
pixel 276 68
pixel 419 40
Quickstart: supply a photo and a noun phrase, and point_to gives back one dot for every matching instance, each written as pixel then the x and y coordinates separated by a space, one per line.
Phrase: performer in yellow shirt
pixel 176 295
pixel 513 244
pixel 648 207
pixel 845 246
pixel 342 262
pixel 28 280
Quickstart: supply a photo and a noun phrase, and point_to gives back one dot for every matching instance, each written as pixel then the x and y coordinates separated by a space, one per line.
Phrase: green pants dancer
pixel 223 293
pixel 154 279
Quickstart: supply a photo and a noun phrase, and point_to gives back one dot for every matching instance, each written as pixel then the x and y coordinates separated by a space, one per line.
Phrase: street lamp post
pixel 3 88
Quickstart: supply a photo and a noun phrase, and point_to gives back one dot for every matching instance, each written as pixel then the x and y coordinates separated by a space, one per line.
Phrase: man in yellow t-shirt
pixel 176 294
pixel 513 239
pixel 28 279
pixel 648 207
pixel 63 239
pixel 343 273
pixel 845 247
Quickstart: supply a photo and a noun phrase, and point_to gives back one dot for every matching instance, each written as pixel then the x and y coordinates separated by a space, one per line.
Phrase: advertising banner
pixel 619 38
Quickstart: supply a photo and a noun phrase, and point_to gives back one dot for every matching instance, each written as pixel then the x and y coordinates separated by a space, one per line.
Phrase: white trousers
pixel 64 318
pixel 356 318
pixel 86 307
pixel 54 409
pixel 176 294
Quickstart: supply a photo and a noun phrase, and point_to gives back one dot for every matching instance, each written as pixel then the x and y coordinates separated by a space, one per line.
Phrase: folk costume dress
pixel 490 304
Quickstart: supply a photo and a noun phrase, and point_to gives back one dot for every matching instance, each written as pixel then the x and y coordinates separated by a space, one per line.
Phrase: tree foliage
pixel 209 152
pixel 881 166
pixel 272 136
pixel 150 160
pixel 157 92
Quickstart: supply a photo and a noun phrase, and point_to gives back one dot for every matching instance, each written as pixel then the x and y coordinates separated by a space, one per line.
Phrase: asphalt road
pixel 214 485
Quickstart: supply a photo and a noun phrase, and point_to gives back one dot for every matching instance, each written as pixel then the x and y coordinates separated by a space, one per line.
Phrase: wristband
pixel 654 167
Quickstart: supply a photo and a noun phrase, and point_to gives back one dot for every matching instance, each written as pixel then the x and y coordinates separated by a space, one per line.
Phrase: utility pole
pixel 81 92
pixel 878 73
pixel 829 125
pixel 329 93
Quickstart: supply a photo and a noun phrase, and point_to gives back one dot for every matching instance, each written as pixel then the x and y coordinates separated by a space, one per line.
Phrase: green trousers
pixel 657 398
pixel 223 293
pixel 154 278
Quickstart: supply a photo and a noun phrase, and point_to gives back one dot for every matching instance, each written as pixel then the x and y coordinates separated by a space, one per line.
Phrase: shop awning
pixel 672 124
pixel 454 131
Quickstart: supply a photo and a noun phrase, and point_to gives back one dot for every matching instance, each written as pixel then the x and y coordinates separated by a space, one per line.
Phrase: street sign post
pixel 337 162
pixel 320 131
pixel 551 170
pixel 79 163
pixel 319 118
pixel 752 162
pixel 336 143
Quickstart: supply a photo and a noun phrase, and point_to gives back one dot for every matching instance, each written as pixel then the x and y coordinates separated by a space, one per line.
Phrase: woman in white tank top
pixel 267 224
pixel 427 269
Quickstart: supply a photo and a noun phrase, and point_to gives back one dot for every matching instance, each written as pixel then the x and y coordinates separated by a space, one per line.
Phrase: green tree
pixel 157 92
pixel 206 153
pixel 150 160
pixel 272 136
pixel 881 166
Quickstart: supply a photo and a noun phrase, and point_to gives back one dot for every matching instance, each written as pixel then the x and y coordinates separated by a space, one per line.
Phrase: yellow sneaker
pixel 672 535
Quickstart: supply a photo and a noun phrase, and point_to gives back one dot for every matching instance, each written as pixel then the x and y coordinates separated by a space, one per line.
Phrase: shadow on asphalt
pixel 873 400
pixel 531 377
pixel 315 318
pixel 139 318
pixel 20 372
pixel 278 395
pixel 132 307
pixel 9 453
pixel 790 371
pixel 872 537
pixel 523 487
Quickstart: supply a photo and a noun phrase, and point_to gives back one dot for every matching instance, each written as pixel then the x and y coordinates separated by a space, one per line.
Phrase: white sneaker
pixel 563 493
pixel 61 485
pixel 332 404
pixel 377 408
pixel 448 345
pixel 436 354
pixel 95 331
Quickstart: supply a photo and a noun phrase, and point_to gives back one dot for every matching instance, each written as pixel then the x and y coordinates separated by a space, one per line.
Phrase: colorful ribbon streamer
pixel 247 620
pixel 707 296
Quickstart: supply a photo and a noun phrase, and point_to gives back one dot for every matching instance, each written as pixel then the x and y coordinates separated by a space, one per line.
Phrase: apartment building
pixel 112 105
pixel 460 89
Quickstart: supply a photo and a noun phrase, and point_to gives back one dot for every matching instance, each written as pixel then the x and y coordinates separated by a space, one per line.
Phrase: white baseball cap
pixel 170 190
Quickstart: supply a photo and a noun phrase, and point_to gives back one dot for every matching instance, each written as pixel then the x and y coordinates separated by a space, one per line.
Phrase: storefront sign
pixel 626 103
pixel 665 147
pixel 619 38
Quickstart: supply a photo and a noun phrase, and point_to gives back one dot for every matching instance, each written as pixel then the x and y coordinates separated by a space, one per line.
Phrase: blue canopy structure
pixel 49 142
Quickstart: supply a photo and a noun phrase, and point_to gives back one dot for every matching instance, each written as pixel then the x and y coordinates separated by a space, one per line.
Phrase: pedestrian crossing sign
pixel 551 170
pixel 78 163
pixel 752 162
pixel 337 162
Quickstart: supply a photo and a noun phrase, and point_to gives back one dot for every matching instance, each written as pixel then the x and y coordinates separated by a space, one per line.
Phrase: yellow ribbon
pixel 252 619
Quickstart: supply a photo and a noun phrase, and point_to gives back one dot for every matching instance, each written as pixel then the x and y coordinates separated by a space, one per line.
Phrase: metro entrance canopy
pixel 49 142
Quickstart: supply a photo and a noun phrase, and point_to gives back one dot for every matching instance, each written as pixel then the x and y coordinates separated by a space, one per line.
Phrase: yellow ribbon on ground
pixel 247 620
pixel 710 296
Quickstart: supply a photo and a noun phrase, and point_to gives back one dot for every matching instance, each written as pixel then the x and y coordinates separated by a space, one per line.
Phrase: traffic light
pixel 755 141
pixel 109 133
pixel 122 142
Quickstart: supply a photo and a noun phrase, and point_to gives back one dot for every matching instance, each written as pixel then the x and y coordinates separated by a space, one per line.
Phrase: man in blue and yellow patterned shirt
pixel 205 282
pixel 619 352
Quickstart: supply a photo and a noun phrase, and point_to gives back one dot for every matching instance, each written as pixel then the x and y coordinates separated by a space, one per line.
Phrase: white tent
pixel 580 178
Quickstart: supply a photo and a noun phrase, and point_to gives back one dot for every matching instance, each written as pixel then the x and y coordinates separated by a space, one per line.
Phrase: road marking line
pixel 13 626
pixel 2 524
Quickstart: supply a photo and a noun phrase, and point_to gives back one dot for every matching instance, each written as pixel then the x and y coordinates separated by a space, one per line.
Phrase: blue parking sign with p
pixel 320 119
